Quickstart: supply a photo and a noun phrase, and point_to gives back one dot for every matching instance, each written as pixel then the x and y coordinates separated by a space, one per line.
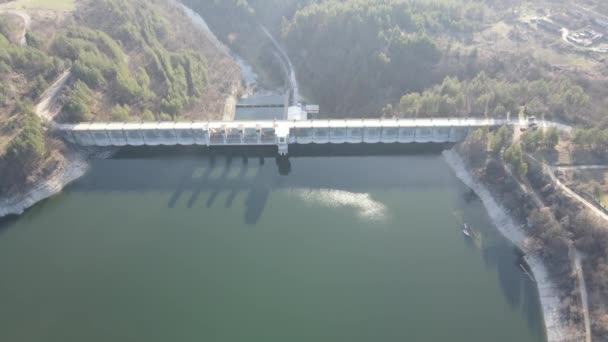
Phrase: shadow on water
pixel 345 150
pixel 197 187
pixel 506 260
pixel 216 187
pixel 255 203
pixel 187 174
pixel 196 170
pixel 148 169
pixel 502 258
pixel 283 165
pixel 470 196
pixel 193 176
pixel 534 315
pixel 309 150
pixel 7 222
pixel 521 293
pixel 234 190
pixel 182 186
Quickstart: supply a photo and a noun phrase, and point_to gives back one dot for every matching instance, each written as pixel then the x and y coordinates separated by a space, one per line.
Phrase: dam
pixel 280 133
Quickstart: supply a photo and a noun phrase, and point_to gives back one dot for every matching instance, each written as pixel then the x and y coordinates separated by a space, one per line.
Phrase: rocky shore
pixel 74 166
pixel 557 329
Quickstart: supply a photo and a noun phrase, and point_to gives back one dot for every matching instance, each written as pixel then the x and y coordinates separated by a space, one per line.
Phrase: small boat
pixel 467 231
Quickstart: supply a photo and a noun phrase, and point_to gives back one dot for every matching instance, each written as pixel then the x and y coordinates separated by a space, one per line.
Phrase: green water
pixel 181 248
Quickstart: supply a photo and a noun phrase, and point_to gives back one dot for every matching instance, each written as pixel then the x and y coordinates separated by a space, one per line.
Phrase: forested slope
pixel 128 53
pixel 485 96
pixel 356 55
pixel 365 58
pixel 129 60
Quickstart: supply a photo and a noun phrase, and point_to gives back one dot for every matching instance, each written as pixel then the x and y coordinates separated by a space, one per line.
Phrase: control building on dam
pixel 280 133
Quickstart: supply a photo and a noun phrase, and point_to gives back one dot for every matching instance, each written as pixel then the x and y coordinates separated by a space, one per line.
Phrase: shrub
pixel 127 90
pixel 24 107
pixel 28 147
pixel 515 157
pixel 77 103
pixel 500 139
pixel 165 117
pixel 533 140
pixel 121 113
pixel 5 68
pixel 34 40
pixel 38 87
pixel 148 115
pixel 551 138
pixel 29 61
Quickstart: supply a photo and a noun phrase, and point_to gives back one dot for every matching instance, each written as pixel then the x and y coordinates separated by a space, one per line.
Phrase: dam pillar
pixel 282 141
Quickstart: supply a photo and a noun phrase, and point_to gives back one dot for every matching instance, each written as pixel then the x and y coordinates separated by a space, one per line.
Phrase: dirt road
pixel 27 21
pixel 47 107
pixel 599 212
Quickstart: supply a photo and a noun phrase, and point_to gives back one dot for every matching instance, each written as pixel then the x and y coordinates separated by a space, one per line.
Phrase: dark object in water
pixel 470 196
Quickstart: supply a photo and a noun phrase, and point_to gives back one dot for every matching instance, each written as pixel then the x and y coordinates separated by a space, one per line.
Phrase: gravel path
pixel 47 107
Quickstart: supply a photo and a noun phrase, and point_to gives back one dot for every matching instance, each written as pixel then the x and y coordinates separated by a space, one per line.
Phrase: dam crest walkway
pixel 281 133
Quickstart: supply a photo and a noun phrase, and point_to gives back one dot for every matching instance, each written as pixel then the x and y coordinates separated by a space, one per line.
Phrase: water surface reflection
pixel 342 248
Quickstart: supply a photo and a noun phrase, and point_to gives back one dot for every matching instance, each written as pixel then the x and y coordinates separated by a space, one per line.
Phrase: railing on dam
pixel 278 133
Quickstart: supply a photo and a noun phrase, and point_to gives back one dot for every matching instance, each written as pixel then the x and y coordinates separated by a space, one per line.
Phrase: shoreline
pixel 555 327
pixel 77 164
pixel 74 167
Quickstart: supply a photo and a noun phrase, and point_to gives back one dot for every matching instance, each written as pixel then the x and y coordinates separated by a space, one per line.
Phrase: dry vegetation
pixel 589 183
pixel 500 163
pixel 157 68
pixel 555 222
pixel 223 74
pixel 174 35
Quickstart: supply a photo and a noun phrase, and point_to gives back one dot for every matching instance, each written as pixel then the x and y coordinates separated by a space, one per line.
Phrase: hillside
pixel 145 57
pixel 362 58
pixel 128 60
pixel 484 58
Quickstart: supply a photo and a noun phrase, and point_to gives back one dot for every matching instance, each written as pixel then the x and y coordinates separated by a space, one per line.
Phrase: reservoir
pixel 185 247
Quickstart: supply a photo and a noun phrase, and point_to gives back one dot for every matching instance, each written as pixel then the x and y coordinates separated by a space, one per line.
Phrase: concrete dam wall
pixel 279 133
